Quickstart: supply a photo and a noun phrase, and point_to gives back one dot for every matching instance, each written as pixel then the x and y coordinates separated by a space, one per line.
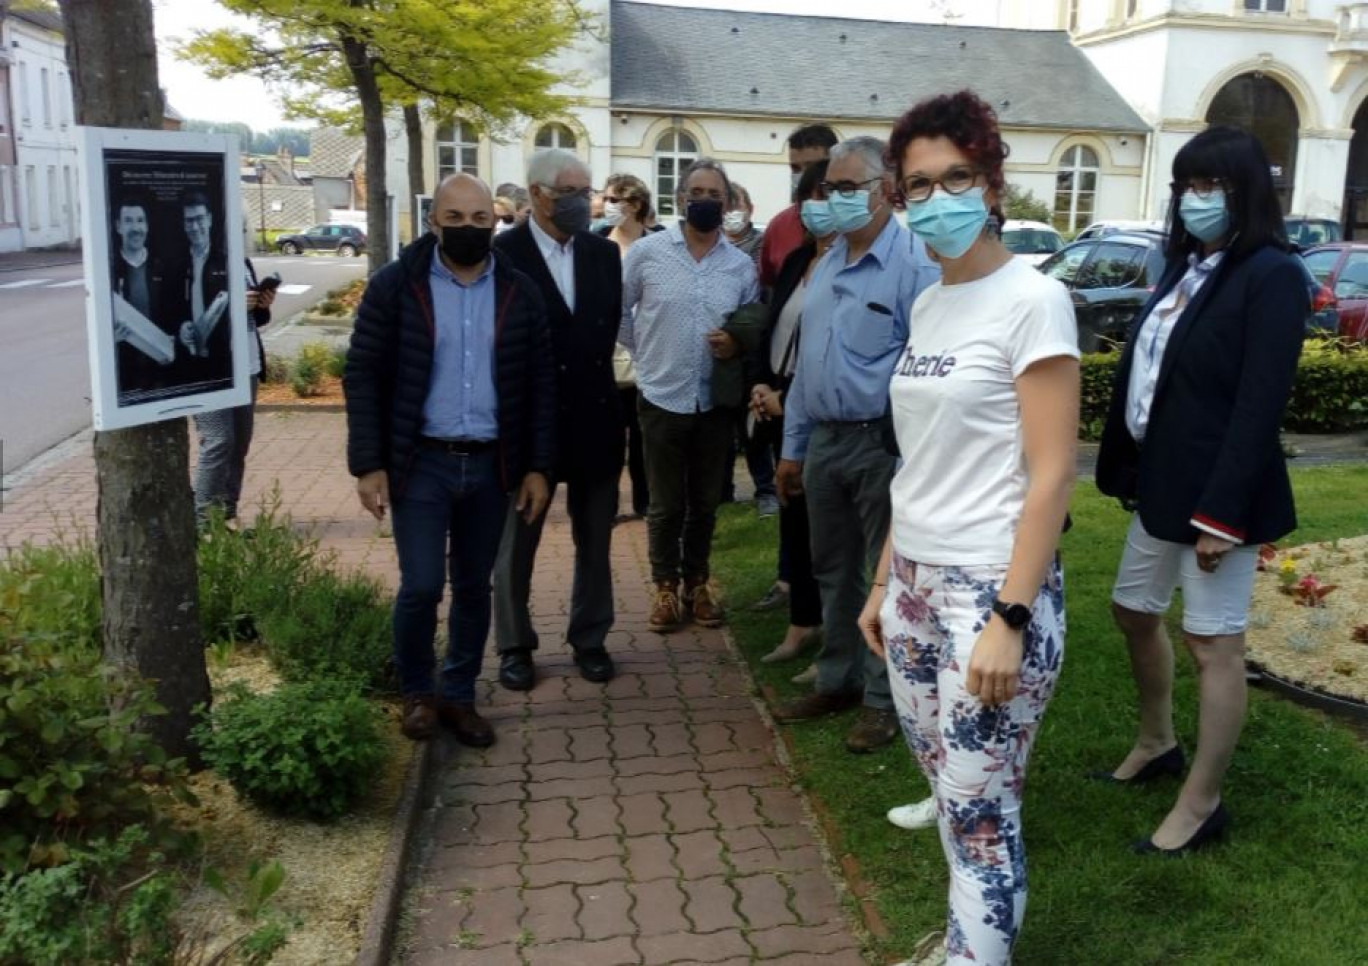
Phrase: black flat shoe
pixel 595 665
pixel 1170 762
pixel 1208 832
pixel 516 671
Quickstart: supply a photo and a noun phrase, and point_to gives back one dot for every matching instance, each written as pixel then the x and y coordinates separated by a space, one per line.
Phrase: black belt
pixel 878 422
pixel 459 447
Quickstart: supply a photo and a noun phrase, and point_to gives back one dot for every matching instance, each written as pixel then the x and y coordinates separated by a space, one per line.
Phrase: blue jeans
pixel 450 516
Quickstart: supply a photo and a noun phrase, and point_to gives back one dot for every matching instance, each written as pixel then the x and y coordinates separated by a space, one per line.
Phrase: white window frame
pixel 1072 161
pixel 559 131
pixel 459 144
pixel 1262 8
pixel 679 160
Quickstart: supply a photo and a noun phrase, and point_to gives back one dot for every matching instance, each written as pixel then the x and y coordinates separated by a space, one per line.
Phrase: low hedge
pixel 1330 394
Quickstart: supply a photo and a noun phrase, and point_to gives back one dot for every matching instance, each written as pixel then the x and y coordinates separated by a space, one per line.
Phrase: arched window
pixel 674 152
pixel 556 136
pixel 1075 189
pixel 458 149
pixel 1260 105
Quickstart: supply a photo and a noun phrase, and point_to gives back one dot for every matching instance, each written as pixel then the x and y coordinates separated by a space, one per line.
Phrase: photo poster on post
pixel 166 310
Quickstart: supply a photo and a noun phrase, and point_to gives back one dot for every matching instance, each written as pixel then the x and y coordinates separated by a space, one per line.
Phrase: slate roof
pixel 46 19
pixel 333 153
pixel 693 60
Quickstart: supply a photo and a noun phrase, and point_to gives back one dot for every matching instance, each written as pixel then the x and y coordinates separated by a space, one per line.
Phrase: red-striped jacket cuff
pixel 1217 529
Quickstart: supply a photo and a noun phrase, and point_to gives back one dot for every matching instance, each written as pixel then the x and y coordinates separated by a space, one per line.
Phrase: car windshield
pixel 1312 231
pixel 1031 241
pixel 1322 263
pixel 1066 264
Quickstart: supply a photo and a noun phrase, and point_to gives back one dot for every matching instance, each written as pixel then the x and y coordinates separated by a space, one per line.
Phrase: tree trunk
pixel 417 184
pixel 373 128
pixel 145 516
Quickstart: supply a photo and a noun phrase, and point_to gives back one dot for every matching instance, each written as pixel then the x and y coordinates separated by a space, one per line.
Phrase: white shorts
pixel 1214 604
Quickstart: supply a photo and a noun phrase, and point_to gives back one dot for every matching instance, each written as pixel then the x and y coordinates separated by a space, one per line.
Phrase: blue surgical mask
pixel 1206 219
pixel 949 224
pixel 850 214
pixel 817 218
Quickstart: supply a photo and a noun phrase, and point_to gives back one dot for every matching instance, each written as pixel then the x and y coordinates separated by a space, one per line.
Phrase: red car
pixel 1342 267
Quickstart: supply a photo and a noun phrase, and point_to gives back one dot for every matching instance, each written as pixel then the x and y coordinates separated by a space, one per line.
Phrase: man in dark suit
pixel 197 282
pixel 580 275
pixel 139 280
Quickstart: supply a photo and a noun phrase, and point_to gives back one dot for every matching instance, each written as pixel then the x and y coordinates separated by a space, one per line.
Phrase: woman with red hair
pixel 967 604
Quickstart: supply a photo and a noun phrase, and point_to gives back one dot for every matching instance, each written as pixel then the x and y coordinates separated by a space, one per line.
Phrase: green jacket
pixel 747 326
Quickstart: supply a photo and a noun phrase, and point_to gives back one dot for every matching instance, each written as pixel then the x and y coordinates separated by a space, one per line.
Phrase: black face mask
pixel 704 215
pixel 467 245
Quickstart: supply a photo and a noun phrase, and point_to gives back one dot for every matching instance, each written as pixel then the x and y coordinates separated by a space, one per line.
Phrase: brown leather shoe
pixel 875 728
pixel 817 705
pixel 466 724
pixel 665 614
pixel 702 603
pixel 419 720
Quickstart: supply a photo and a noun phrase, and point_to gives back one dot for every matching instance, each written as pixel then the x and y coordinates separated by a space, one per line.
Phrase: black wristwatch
pixel 1016 616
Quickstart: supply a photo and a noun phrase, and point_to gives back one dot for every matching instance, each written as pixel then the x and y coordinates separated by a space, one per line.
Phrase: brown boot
pixel 700 598
pixel 419 720
pixel 875 729
pixel 665 614
pixel 817 705
pixel 466 724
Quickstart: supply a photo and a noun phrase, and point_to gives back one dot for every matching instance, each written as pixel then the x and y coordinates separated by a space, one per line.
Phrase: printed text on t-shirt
pixel 917 366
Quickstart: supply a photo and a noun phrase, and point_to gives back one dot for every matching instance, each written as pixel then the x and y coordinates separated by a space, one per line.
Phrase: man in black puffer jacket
pixel 451 407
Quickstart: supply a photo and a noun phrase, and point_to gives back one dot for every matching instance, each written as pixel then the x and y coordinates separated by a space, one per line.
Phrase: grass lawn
pixel 1290 885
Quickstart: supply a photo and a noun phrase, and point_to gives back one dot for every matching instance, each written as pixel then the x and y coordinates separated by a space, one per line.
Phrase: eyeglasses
pixel 956 181
pixel 846 189
pixel 586 193
pixel 611 199
pixel 1201 187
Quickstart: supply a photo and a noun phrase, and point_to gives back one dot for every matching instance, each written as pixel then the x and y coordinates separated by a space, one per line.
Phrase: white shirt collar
pixel 549 246
pixel 138 262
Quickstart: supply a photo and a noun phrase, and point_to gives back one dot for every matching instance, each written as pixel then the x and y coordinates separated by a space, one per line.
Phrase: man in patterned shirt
pixel 679 287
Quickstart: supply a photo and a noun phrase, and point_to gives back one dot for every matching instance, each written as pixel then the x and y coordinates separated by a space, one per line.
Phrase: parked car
pixel 1341 268
pixel 345 240
pixel 1307 232
pixel 1034 241
pixel 1098 229
pixel 1110 277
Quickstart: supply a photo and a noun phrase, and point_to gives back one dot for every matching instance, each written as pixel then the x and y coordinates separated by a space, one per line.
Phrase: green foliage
pixel 277 369
pixel 52 592
pixel 306 749
pixel 306 376
pixel 1331 391
pixel 72 764
pixel 100 907
pixel 337 361
pixel 1330 394
pixel 253 897
pixel 1024 205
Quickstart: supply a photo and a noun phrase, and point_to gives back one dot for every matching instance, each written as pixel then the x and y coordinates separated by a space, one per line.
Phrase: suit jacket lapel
pixel 530 258
pixel 1183 326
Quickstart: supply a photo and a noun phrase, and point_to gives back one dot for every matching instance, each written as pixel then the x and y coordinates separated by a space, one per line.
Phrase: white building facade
pixel 39 191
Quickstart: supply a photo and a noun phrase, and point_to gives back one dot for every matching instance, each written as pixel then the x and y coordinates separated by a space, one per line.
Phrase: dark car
pixel 1109 278
pixel 1341 269
pixel 345 240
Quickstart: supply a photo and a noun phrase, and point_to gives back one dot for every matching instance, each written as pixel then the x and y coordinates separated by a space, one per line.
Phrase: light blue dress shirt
pixel 461 401
pixel 670 302
pixel 854 328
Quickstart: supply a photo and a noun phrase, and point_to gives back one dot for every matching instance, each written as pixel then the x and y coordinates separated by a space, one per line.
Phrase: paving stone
pixel 597 816
pixel 631 741
pixel 744 838
pixel 605 952
pixel 814 897
pixel 712 737
pixel 657 765
pixel 711 905
pixel 735 807
pixel 697 947
pixel 699 855
pixel 457 790
pixel 650 857
pixel 764 901
pixel 565 788
pixel 493 918
pixel 551 913
pixel 844 957
pixel 498 823
pixel 743 778
pixel 643 814
pixel 587 744
pixel 605 910
pixel 809 940
pixel 549 819
pixel 678 782
pixel 577 850
pixel 689 810
pixel 565 870
pixel 569 770
pixel 659 907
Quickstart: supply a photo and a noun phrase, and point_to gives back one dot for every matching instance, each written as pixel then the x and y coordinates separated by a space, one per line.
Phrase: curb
pixel 377 942
pixel 300 408
pixel 1356 711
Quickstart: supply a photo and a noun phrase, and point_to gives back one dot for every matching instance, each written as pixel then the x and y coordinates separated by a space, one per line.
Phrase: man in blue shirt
pixel 679 286
pixel 837 430
pixel 451 408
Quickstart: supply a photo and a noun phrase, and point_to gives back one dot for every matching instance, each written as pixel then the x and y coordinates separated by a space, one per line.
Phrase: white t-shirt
pixel 959 492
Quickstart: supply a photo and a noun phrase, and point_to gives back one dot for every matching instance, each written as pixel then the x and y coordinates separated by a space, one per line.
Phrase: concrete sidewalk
pixel 645 821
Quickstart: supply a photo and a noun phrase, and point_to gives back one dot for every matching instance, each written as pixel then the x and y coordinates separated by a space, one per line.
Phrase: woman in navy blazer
pixel 1191 443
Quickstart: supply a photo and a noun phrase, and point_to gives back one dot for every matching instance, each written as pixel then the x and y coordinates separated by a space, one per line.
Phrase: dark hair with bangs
pixel 1238 159
pixel 812 136
pixel 812 176
pixel 967 121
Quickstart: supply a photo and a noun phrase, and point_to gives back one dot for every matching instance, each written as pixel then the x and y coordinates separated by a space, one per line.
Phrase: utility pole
pixel 145 516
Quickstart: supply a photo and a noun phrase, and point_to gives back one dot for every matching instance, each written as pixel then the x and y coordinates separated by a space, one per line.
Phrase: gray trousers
pixel 592 506
pixel 846 476
pixel 225 436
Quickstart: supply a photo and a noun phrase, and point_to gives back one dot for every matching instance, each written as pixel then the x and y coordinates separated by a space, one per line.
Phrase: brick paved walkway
pixel 645 821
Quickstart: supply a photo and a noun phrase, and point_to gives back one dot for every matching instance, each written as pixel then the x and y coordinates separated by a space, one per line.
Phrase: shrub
pixel 337 362
pixel 1019 203
pixel 1098 370
pixel 306 376
pixel 277 369
pixel 72 762
pixel 52 592
pixel 306 749
pixel 101 907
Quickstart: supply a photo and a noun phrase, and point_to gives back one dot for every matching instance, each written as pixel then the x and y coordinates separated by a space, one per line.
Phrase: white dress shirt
pixel 560 261
pixel 1152 340
pixel 197 284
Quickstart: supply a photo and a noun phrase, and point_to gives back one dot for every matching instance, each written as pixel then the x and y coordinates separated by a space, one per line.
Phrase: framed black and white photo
pixel 164 267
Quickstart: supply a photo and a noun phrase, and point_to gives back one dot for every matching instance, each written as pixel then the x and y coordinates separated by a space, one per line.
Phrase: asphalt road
pixel 44 370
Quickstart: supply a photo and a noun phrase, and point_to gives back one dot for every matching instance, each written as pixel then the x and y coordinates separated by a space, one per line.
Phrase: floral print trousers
pixel 973 756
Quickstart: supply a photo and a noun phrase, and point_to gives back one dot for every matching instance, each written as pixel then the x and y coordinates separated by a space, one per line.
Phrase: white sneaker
pixel 808 676
pixel 913 817
pixel 930 951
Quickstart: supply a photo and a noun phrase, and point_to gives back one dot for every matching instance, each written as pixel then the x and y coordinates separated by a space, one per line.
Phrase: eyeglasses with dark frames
pixel 846 189
pixel 917 188
pixel 558 193
pixel 1201 187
